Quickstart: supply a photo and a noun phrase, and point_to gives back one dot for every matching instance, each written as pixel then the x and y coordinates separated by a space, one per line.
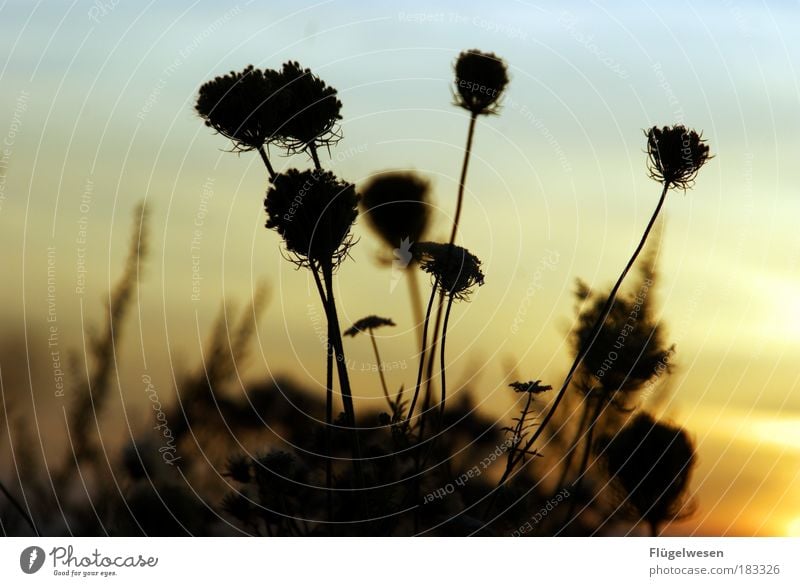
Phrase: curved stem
pixel 422 354
pixel 264 158
pixel 380 368
pixel 442 364
pixel 595 331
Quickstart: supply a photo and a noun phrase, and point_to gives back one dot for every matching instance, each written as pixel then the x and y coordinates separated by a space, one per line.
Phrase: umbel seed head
pixel 480 81
pixel 368 323
pixel 313 211
pixel 397 207
pixel 311 109
pixel 675 155
pixel 242 106
pixel 455 270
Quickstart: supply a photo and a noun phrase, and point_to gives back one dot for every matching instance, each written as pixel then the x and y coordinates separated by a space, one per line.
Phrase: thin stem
pixel 264 158
pixel 341 366
pixel 380 367
pixel 431 357
pixel 462 181
pixel 19 508
pixel 444 340
pixel 312 148
pixel 416 300
pixel 422 354
pixel 328 401
pixel 595 331
pixel 456 219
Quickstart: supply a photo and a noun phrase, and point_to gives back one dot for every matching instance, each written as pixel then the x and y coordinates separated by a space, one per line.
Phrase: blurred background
pixel 96 115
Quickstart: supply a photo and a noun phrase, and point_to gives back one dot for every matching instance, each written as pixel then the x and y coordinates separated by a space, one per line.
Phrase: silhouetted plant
pixel 368 325
pixel 455 272
pixel 676 154
pixel 652 462
pixel 314 212
pixel 311 113
pixel 244 107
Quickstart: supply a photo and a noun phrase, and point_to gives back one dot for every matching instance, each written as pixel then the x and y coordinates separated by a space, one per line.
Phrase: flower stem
pixel 341 366
pixel 592 337
pixel 444 340
pixel 416 301
pixel 328 402
pixel 264 158
pixel 462 181
pixel 312 148
pixel 456 219
pixel 380 367
pixel 422 353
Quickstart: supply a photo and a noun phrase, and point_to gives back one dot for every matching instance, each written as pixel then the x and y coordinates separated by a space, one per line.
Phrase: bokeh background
pixel 96 114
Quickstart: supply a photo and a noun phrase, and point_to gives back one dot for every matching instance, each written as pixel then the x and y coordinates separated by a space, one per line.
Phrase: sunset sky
pixel 97 115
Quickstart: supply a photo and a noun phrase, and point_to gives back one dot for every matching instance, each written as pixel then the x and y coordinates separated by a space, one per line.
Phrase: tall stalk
pixel 328 397
pixel 380 367
pixel 426 323
pixel 442 363
pixel 592 337
pixel 341 366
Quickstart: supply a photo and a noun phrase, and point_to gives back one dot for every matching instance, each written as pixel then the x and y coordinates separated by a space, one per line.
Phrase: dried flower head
pixel 455 269
pixel 397 207
pixel 675 155
pixel 371 322
pixel 480 81
pixel 242 106
pixel 313 212
pixel 310 109
pixel 534 387
pixel 652 462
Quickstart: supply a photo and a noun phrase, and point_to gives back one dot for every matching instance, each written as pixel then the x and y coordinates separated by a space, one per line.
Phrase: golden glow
pixel 784 432
pixel 793 529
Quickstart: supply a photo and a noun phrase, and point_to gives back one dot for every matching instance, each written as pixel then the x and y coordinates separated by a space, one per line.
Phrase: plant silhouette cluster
pixel 277 459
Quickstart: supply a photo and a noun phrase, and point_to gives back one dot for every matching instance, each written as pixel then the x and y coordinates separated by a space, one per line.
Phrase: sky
pixel 97 115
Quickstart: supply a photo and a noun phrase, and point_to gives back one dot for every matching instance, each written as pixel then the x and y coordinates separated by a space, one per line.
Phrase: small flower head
pixel 242 106
pixel 533 387
pixel 652 463
pixel 480 81
pixel 397 207
pixel 455 269
pixel 675 155
pixel 310 108
pixel 368 323
pixel 313 211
